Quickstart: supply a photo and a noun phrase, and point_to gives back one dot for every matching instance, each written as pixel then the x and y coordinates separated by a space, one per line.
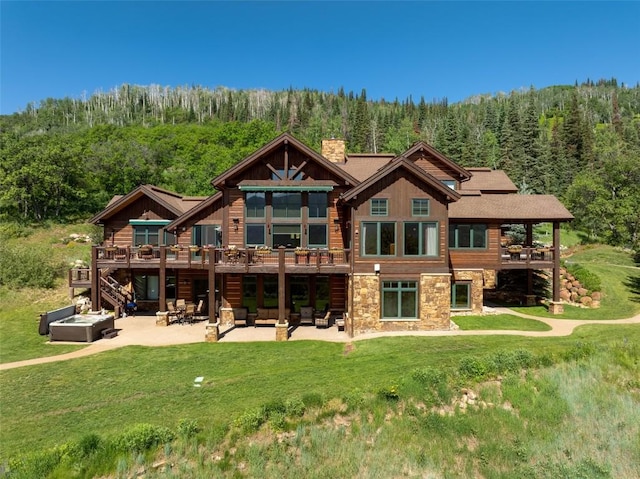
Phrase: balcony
pixel 237 260
pixel 525 257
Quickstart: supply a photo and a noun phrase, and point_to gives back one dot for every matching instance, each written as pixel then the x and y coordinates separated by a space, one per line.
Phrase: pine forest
pixel 63 159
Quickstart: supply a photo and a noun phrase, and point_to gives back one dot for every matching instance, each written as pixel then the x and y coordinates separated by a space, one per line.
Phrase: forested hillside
pixel 66 157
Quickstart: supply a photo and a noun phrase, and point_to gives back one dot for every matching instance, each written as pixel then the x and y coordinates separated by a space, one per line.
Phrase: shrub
pixel 589 280
pixel 294 407
pixel 313 400
pixel 142 437
pixel 188 427
pixel 472 368
pixel 27 267
pixel 251 420
pixel 579 351
pixel 389 393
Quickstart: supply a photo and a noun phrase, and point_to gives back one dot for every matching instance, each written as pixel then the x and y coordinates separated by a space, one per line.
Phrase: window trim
pixel 399 290
pixel 453 295
pixel 378 242
pixel 453 236
pixel 413 207
pixel 421 239
pixel 376 205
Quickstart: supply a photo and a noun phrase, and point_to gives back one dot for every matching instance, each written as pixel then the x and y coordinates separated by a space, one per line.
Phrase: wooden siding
pixel 488 258
pixel 232 291
pixel 400 188
pixel 434 167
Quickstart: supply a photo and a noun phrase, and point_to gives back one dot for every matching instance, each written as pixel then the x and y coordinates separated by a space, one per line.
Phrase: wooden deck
pixel 527 258
pixel 231 260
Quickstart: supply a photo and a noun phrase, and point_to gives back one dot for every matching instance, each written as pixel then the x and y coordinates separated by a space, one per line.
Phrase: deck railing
pixel 526 255
pixel 197 255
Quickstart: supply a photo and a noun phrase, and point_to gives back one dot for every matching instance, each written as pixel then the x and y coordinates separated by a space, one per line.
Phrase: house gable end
pixel 435 163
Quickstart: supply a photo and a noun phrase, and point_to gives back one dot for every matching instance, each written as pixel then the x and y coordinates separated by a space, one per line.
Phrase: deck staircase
pixel 110 293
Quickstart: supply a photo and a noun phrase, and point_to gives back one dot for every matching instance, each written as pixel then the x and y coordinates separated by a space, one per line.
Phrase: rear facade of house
pixel 379 242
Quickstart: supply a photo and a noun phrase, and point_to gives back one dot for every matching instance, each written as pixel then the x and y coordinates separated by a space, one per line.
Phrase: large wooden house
pixel 382 242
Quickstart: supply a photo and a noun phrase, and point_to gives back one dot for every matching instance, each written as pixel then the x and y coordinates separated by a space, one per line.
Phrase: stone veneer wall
pixel 476 276
pixel 226 317
pixel 489 278
pixel 434 305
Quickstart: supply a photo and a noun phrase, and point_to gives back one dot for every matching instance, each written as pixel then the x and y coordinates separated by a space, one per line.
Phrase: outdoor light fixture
pixel 236 222
pixel 336 223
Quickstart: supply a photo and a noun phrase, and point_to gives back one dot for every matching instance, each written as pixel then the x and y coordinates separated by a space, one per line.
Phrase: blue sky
pixel 437 50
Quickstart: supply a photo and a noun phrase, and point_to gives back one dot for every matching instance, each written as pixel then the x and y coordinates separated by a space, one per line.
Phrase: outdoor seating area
pixel 183 312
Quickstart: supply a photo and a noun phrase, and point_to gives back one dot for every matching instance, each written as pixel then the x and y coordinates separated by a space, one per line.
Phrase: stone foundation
pixel 213 333
pixel 226 316
pixel 489 276
pixel 433 305
pixel 162 318
pixel 556 307
pixel 282 331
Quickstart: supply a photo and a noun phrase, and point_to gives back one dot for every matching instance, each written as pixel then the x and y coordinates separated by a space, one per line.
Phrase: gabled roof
pixel 362 166
pixel 174 202
pixel 487 180
pixel 194 211
pixel 422 146
pixel 283 139
pixel 534 208
pixel 404 163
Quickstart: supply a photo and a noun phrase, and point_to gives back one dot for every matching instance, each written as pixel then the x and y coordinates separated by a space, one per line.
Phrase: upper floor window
pixel 378 239
pixel 145 234
pixel 287 205
pixel 420 207
pixel 421 239
pixel 467 235
pixel 203 235
pixel 450 183
pixel 379 207
pixel 317 205
pixel 255 204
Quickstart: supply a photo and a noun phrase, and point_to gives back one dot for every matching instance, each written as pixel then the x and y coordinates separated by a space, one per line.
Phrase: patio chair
pixel 181 304
pixel 174 314
pixel 188 313
pixel 325 321
pixel 306 315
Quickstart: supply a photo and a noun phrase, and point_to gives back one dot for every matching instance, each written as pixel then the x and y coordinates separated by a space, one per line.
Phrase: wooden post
pixel 281 286
pixel 556 261
pixel 95 278
pixel 212 285
pixel 162 279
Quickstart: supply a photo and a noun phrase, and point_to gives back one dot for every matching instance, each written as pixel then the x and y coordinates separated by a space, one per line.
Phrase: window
pixel 420 207
pixel 203 235
pixel 421 239
pixel 286 235
pixel 317 236
pixel 467 236
pixel 250 292
pixel 169 237
pixel 450 183
pixel 379 239
pixel 379 207
pixel 146 287
pixel 145 234
pixel 322 293
pixel 270 291
pixel 317 205
pixel 255 234
pixel 399 300
pixel 461 296
pixel 287 205
pixel 255 204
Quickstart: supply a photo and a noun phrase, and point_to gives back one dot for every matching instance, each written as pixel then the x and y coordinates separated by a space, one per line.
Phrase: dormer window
pixel 450 183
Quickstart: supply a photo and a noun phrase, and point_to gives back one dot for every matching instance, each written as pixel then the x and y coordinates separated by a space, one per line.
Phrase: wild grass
pixel 499 322
pixel 578 417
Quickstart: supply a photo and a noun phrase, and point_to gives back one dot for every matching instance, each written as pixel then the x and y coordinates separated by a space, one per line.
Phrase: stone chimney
pixel 333 150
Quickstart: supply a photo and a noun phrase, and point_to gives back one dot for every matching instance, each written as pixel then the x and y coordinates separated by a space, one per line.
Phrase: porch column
pixel 556 261
pixel 282 326
pixel 162 279
pixel 212 285
pixel 95 278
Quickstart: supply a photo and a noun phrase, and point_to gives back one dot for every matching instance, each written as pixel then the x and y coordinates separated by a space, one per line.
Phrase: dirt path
pixel 142 331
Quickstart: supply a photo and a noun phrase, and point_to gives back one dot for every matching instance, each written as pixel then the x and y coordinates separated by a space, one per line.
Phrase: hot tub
pixel 80 327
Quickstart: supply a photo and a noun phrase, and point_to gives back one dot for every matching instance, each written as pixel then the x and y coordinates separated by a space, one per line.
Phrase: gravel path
pixel 142 331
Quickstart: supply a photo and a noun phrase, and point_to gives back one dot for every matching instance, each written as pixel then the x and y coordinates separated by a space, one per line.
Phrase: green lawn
pixel 499 322
pixel 51 403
